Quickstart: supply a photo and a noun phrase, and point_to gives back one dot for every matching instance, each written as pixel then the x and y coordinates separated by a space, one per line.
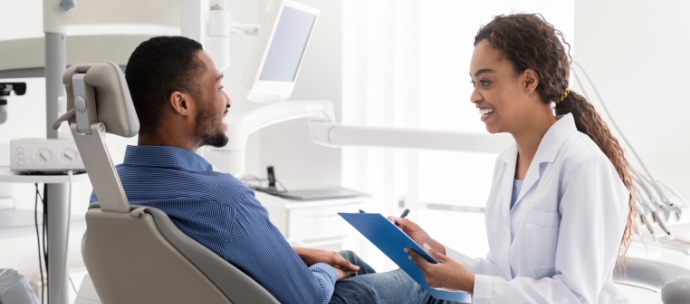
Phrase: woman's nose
pixel 475 97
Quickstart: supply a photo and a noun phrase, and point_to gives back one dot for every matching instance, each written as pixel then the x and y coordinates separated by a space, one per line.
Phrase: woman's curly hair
pixel 529 42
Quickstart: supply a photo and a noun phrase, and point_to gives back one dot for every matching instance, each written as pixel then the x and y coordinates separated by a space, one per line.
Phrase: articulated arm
pixel 336 135
pixel 325 131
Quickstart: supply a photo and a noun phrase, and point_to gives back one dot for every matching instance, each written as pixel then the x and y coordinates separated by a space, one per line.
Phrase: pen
pixel 403 215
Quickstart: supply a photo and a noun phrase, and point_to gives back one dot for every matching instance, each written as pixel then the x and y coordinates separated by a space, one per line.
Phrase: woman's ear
pixel 530 81
pixel 180 103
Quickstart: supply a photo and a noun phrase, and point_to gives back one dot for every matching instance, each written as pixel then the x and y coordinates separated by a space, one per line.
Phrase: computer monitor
pixel 280 46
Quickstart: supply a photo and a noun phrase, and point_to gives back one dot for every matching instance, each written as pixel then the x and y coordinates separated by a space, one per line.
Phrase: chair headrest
pixel 98 92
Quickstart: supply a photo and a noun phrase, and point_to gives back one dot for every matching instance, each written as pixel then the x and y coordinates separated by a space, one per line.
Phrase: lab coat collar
pixel 547 151
pixel 550 144
pixel 554 138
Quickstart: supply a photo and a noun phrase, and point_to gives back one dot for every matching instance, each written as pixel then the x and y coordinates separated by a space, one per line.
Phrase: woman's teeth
pixel 485 112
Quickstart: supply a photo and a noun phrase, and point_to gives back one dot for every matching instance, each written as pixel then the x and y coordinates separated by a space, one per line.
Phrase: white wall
pixel 637 54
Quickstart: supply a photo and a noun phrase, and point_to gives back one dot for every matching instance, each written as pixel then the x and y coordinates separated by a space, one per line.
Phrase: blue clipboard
pixel 392 241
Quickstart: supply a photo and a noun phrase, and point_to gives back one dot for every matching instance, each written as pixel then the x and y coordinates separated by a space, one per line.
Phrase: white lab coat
pixel 559 242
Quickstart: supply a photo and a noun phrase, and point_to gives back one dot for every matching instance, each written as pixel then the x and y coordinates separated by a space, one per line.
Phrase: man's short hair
pixel 157 68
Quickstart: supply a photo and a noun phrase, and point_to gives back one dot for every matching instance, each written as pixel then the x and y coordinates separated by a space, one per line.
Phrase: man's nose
pixel 228 101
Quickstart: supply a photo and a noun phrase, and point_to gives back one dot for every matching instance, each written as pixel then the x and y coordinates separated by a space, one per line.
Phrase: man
pixel 180 102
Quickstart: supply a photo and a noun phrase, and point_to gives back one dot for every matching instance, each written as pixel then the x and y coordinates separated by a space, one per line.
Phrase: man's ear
pixel 530 81
pixel 180 103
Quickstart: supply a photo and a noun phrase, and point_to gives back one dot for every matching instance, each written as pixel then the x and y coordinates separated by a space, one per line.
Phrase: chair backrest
pixel 144 248
pixel 130 261
pixel 136 254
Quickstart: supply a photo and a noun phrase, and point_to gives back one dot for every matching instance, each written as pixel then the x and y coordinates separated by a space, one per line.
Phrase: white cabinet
pixel 313 224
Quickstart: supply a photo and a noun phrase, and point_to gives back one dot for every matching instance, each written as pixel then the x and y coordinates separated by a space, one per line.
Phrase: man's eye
pixel 221 88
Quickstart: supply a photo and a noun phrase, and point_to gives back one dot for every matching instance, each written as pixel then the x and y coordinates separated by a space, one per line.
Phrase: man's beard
pixel 210 128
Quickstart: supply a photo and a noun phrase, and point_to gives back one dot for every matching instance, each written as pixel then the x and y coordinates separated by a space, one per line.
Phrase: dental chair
pixel 671 281
pixel 135 254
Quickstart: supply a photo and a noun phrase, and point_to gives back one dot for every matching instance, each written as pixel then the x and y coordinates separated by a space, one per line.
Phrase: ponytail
pixel 588 121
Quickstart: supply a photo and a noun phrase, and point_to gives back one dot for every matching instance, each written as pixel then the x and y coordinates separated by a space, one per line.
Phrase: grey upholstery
pixel 130 261
pixel 114 104
pixel 232 283
pixel 673 282
pixel 136 254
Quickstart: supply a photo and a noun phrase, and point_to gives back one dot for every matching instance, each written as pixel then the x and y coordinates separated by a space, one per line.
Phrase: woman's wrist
pixel 462 281
pixel 469 284
pixel 435 245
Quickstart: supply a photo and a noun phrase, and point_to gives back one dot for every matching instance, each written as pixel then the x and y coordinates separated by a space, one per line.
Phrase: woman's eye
pixel 221 88
pixel 481 82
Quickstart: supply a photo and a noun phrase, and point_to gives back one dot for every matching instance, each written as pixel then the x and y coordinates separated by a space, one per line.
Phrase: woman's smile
pixel 486 113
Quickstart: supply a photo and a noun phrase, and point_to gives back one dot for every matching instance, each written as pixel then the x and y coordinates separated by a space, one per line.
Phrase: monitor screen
pixel 288 44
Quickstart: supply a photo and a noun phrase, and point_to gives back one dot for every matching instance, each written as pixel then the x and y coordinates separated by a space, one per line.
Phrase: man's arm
pixel 256 247
pixel 311 256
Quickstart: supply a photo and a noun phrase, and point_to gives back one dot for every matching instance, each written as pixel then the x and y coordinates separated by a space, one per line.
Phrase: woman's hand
pixel 416 233
pixel 447 274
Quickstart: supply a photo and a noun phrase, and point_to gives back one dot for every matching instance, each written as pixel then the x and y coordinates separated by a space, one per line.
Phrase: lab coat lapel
pixel 532 177
pixel 510 159
pixel 502 236
pixel 547 151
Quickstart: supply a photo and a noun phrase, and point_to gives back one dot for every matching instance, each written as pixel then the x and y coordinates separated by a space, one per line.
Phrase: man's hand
pixel 312 256
pixel 343 274
pixel 447 274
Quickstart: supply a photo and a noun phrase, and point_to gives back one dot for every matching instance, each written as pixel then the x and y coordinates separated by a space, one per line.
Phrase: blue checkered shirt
pixel 221 213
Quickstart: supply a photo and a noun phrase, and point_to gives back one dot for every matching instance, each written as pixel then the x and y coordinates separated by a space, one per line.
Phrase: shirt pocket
pixel 543 235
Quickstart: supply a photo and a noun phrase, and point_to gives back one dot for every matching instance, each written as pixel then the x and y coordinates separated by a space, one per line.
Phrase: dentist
pixel 560 214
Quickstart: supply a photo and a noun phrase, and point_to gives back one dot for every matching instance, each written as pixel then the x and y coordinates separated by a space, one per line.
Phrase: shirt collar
pixel 551 142
pixel 165 156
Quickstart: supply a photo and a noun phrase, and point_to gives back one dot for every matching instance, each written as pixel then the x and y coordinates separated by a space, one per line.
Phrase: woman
pixel 560 210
